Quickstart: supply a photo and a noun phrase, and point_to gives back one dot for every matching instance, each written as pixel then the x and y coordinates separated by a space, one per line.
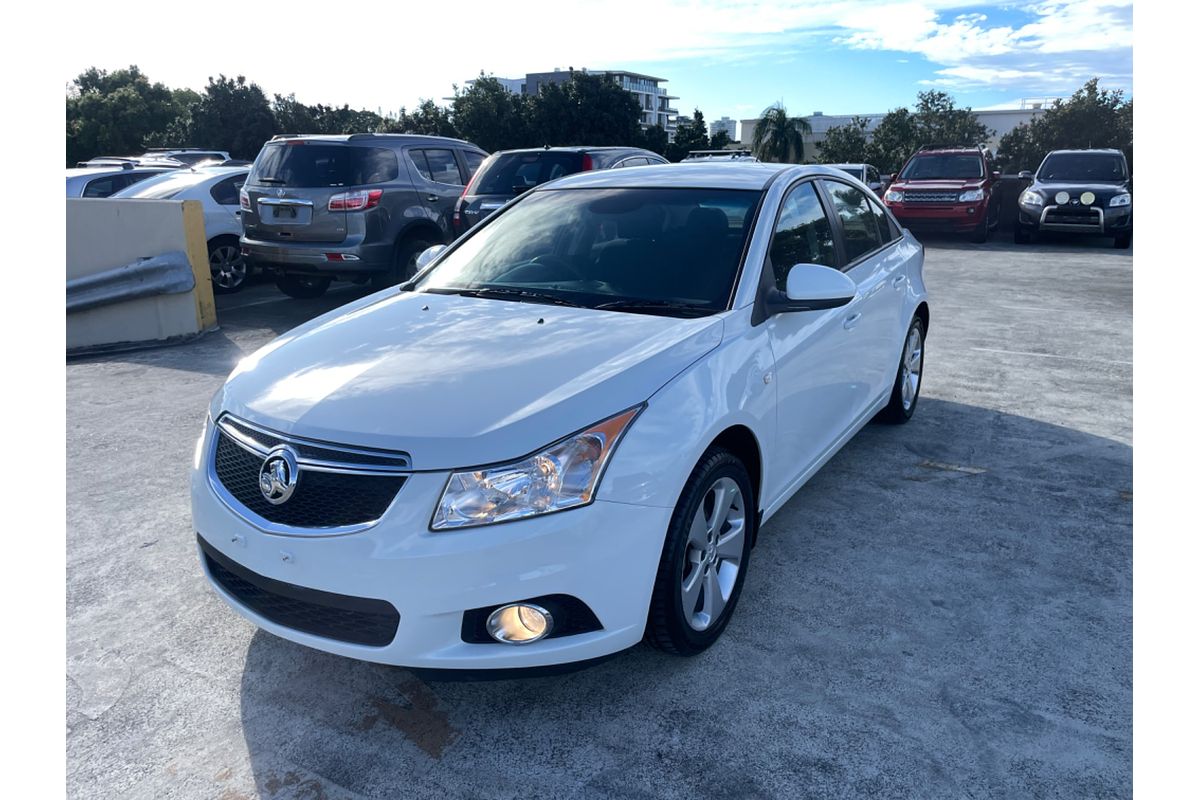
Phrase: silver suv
pixel 356 207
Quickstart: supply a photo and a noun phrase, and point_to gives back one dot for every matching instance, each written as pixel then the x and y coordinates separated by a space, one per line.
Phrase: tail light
pixel 587 163
pixel 244 199
pixel 355 201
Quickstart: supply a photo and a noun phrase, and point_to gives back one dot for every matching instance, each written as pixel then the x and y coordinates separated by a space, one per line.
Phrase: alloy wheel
pixel 910 368
pixel 714 554
pixel 227 265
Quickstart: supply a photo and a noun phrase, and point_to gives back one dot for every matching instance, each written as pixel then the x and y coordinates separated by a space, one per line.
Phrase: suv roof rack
pixel 173 149
pixel 925 147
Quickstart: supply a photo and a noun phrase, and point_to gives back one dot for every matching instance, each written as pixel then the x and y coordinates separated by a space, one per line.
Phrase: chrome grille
pixel 930 197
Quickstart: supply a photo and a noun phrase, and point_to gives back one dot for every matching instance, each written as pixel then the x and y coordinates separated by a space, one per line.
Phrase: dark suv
pixel 356 207
pixel 1078 191
pixel 508 173
pixel 948 189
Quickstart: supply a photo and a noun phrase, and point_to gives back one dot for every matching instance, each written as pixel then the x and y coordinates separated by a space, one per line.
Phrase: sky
pixel 730 58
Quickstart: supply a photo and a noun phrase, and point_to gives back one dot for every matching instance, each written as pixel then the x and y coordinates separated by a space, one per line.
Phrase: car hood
pixel 456 381
pixel 1103 191
pixel 946 185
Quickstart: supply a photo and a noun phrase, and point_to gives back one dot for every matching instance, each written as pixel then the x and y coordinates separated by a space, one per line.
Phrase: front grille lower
pixel 357 620
pixel 930 197
pixel 1066 215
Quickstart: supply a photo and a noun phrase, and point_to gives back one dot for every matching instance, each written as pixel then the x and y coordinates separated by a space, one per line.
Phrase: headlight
pixel 1029 198
pixel 564 475
pixel 971 196
pixel 1121 200
pixel 893 196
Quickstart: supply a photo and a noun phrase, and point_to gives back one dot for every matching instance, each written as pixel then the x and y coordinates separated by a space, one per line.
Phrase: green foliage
pixel 588 109
pixel 936 121
pixel 491 116
pixel 719 140
pixel 846 144
pixel 1092 117
pixel 690 134
pixel 894 140
pixel 116 113
pixel 429 119
pixel 232 115
pixel 654 138
pixel 779 138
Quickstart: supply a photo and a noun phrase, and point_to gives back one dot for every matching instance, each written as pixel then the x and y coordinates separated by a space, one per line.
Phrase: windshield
pixel 671 251
pixel 161 187
pixel 513 173
pixel 301 164
pixel 945 166
pixel 1083 168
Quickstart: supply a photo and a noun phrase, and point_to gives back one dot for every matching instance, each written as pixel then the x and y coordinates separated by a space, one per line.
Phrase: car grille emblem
pixel 278 475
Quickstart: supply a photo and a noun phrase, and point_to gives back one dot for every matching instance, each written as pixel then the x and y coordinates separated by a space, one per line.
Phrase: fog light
pixel 519 623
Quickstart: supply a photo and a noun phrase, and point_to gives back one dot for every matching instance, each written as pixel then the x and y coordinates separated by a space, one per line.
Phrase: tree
pixel 719 140
pixel 429 119
pixel 894 140
pixel 292 116
pixel 778 137
pixel 491 116
pixel 939 122
pixel 1092 117
pixel 846 144
pixel 587 109
pixel 232 115
pixel 690 134
pixel 116 113
pixel 655 139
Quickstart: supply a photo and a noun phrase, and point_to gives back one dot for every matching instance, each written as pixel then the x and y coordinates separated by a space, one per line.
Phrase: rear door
pixel 290 187
pixel 438 181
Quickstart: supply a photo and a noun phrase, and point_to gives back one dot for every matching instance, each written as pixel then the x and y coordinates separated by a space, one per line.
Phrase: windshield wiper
pixel 503 292
pixel 650 306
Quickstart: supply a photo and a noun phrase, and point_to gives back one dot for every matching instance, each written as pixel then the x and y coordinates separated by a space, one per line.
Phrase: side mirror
pixel 429 255
pixel 812 287
pixel 1025 175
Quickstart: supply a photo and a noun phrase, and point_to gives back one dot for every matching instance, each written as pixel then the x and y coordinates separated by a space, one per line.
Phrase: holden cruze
pixel 563 435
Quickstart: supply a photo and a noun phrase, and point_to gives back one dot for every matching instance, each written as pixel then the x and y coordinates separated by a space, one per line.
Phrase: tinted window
pixel 1083 167
pixel 803 234
pixel 872 175
pixel 633 162
pixel 954 166
pixel 860 223
pixel 438 166
pixel 857 172
pixel 512 173
pixel 226 192
pixel 473 161
pixel 103 187
pixel 303 164
pixel 597 246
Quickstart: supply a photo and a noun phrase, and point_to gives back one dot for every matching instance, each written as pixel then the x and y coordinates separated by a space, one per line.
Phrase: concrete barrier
pixel 128 281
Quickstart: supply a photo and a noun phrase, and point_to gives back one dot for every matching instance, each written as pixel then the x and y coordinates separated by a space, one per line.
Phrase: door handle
pixel 852 320
pixel 433 198
pixel 898 281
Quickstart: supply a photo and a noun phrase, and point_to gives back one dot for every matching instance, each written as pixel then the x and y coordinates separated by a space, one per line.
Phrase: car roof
pixel 974 151
pixel 582 148
pixel 1106 150
pixel 76 172
pixel 379 138
pixel 726 175
pixel 855 166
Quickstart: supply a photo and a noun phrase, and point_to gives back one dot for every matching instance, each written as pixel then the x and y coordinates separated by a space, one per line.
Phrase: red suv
pixel 948 189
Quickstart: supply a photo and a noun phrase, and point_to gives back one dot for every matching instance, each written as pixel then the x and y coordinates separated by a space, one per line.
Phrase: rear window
pixel 162 187
pixel 513 173
pixel 317 165
pixel 963 166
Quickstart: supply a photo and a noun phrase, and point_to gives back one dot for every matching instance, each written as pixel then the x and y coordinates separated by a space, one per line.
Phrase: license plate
pixel 285 212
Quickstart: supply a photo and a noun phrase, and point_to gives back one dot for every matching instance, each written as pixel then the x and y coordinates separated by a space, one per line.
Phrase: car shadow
pixel 1002 239
pixel 943 611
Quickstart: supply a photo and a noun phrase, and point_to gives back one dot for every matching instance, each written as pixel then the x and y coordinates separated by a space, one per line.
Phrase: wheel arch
pixel 421 227
pixel 923 313
pixel 742 443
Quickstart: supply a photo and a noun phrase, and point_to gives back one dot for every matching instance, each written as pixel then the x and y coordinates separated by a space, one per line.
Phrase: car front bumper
pixel 605 554
pixel 1098 222
pixel 959 217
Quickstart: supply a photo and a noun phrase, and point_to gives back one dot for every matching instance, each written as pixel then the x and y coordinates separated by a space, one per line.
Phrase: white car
pixel 564 434
pixel 105 181
pixel 217 189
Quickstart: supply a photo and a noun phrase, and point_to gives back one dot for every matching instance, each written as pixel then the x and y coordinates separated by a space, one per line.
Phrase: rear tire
pixel 404 262
pixel 228 267
pixel 705 557
pixel 303 287
pixel 906 391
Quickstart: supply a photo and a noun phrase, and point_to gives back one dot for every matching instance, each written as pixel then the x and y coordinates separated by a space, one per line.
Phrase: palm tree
pixel 778 137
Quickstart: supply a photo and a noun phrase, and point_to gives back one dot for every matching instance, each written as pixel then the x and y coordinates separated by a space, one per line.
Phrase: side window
pixel 226 192
pixel 376 165
pixel 860 223
pixel 438 166
pixel 872 175
pixel 473 162
pixel 803 234
pixel 101 187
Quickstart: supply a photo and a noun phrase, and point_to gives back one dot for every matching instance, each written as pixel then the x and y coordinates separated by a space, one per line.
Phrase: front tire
pixel 404 263
pixel 980 234
pixel 705 556
pixel 227 265
pixel 303 287
pixel 1022 235
pixel 907 388
pixel 1122 241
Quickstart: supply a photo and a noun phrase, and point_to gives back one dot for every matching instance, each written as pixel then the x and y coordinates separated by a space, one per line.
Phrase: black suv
pixel 1078 191
pixel 508 173
pixel 355 207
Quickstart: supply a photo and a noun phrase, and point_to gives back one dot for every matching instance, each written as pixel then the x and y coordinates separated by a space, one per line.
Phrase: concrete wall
pixel 105 234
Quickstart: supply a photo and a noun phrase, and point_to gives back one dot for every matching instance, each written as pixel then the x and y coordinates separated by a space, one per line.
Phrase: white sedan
pixel 563 436
pixel 217 190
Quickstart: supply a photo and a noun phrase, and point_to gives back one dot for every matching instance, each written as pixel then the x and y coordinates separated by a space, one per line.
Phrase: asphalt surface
pixel 944 611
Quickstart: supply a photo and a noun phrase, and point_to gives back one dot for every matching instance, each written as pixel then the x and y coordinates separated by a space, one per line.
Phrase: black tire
pixel 667 626
pixel 1021 235
pixel 228 267
pixel 980 234
pixel 404 262
pixel 897 412
pixel 1123 240
pixel 303 287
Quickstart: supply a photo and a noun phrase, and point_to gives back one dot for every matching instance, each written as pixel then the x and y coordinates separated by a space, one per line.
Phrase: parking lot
pixel 945 610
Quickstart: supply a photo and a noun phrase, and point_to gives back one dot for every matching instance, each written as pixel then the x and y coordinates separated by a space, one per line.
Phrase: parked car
pixel 188 156
pixel 357 207
pixel 865 173
pixel 719 155
pixel 1078 191
pixel 508 173
pixel 565 433
pixel 947 189
pixel 217 190
pixel 104 181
